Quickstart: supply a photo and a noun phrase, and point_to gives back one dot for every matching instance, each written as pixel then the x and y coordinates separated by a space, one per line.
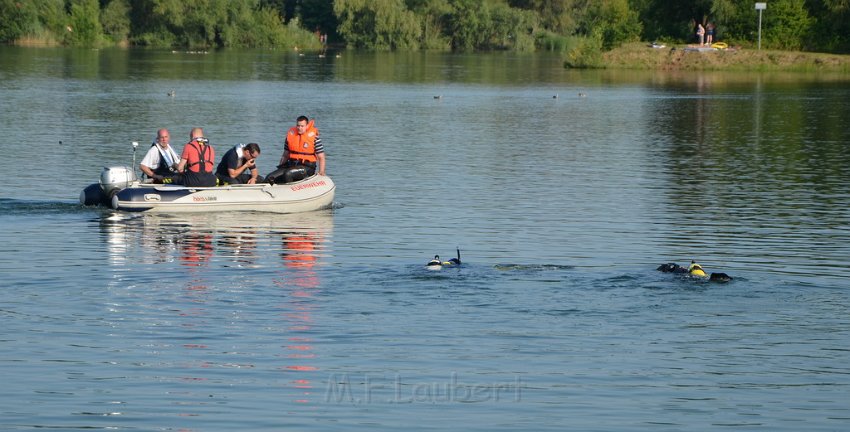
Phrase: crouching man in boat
pixel 160 162
pixel 302 152
pixel 196 163
pixel 239 165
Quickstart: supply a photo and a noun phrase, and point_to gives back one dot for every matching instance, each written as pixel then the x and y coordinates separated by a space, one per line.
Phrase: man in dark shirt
pixel 234 166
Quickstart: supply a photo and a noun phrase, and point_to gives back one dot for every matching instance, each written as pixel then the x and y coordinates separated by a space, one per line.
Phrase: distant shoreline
pixel 676 57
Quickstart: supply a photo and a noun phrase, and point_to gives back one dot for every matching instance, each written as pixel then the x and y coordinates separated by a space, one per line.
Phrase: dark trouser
pixel 190 178
pixel 162 179
pixel 310 166
pixel 291 171
pixel 240 179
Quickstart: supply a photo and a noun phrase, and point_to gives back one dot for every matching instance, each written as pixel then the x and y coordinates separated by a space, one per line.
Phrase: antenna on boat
pixel 135 146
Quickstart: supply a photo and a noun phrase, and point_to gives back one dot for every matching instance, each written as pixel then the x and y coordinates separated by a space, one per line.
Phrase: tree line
pixel 562 25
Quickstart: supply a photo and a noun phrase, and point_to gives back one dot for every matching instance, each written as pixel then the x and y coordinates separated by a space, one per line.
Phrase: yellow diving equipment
pixel 696 270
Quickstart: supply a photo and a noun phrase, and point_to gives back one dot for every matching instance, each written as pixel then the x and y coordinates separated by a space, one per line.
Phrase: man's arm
pixel 233 172
pixel 283 157
pixel 321 158
pixel 150 158
pixel 148 172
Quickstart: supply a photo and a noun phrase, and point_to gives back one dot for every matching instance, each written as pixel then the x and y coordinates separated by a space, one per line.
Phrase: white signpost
pixel 760 7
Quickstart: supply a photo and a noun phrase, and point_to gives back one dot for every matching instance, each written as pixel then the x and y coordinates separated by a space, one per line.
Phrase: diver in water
pixel 694 270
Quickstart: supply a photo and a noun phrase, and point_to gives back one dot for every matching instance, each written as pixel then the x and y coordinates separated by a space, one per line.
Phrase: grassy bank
pixel 642 56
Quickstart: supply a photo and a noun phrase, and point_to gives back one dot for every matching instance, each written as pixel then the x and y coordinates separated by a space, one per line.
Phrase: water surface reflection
pixel 208 284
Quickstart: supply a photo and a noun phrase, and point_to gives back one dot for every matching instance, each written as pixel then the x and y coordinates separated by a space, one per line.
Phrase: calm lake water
pixel 563 189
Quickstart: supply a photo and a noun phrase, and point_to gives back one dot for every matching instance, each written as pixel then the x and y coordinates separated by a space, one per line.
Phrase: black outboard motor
pixel 93 195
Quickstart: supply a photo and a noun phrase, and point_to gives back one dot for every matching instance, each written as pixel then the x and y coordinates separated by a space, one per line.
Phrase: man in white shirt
pixel 161 160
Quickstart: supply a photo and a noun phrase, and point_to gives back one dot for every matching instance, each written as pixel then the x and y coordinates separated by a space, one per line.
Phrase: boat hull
pixel 312 193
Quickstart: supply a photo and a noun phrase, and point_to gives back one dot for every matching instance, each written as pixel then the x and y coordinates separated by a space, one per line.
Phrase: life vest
pixel 206 155
pixel 164 168
pixel 302 147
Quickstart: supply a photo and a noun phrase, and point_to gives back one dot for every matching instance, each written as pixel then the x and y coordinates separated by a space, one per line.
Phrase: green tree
pixel 238 28
pixel 85 26
pixel 673 19
pixel 613 21
pixel 53 20
pixel 434 16
pixel 15 19
pixel 512 28
pixel 557 16
pixel 377 24
pixel 786 25
pixel 115 19
pixel 831 29
pixel 586 52
pixel 318 15
pixel 469 24
pixel 491 24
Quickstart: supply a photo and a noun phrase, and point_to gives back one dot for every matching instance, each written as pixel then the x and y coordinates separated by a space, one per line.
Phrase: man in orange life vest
pixel 196 162
pixel 303 147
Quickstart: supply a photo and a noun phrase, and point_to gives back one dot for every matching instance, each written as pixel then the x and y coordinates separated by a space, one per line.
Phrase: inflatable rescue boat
pixel 120 189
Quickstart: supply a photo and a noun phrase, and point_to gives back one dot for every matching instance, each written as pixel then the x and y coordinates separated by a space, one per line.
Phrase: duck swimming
pixel 437 263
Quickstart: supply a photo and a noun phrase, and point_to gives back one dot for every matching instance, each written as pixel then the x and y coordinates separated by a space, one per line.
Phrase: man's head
pixel 196 133
pixel 301 124
pixel 162 138
pixel 251 151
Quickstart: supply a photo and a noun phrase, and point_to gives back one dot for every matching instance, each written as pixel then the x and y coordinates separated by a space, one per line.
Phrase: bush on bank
pixel 520 25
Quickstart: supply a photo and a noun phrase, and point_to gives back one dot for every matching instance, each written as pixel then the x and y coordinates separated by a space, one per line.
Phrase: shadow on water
pixel 15 207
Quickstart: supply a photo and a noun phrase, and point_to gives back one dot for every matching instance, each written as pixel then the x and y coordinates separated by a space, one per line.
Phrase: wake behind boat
pixel 120 189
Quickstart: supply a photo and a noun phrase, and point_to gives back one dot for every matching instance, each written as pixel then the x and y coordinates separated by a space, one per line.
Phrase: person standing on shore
pixel 701 34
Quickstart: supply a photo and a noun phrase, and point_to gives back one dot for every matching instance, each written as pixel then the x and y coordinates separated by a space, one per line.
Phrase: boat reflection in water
pixel 232 239
pixel 299 280
pixel 226 272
